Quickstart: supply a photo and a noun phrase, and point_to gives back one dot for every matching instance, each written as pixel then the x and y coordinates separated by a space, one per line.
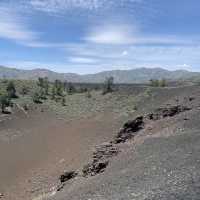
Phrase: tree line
pixel 45 89
pixel 6 96
pixel 158 83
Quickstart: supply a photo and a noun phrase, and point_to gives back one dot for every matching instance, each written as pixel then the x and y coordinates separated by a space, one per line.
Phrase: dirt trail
pixel 34 150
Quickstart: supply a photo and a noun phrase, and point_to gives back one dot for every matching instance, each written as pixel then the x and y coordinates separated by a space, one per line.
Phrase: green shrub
pixel 88 94
pixel 4 102
pixel 11 91
pixel 63 101
pixel 59 87
pixel 43 83
pixel 108 85
pixel 24 90
pixel 158 83
pixel 36 97
pixel 71 88
pixel 163 83
pixel 53 93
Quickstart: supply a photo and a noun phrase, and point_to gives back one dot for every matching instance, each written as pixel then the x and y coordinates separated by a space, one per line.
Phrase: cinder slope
pixel 161 163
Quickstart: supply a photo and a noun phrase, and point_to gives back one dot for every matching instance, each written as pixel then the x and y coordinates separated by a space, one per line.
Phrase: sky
pixel 89 36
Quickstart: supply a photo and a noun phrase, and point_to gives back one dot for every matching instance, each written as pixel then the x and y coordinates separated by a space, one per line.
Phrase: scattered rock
pixel 26 107
pixel 67 176
pixel 60 187
pixel 129 130
pixel 62 161
pixel 104 151
pixel 100 160
pixel 7 110
pixel 1 195
pixel 191 98
pixel 133 125
pixel 167 112
pixel 177 100
pixel 94 168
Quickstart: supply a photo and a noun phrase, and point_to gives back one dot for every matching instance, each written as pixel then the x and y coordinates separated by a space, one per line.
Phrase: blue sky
pixel 88 36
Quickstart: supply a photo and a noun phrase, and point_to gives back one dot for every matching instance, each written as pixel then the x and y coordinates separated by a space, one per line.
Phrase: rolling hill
pixel 139 75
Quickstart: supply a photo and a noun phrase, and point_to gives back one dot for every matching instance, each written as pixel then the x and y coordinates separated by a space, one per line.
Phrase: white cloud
pixel 112 34
pixel 124 33
pixel 12 27
pixel 59 5
pixel 54 6
pixel 82 60
pixel 124 53
pixel 129 56
pixel 40 44
pixel 164 40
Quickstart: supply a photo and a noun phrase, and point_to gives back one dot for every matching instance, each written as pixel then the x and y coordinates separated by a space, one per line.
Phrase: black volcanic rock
pixel 67 176
pixel 129 130
pixel 167 112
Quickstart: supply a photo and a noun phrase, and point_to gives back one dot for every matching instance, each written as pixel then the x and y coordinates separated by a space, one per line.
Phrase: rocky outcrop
pixel 94 168
pixel 129 130
pixel 7 110
pixel 100 159
pixel 104 152
pixel 67 176
pixel 1 195
pixel 161 113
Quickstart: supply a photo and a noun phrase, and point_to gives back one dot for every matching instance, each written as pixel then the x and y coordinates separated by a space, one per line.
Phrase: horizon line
pixel 81 74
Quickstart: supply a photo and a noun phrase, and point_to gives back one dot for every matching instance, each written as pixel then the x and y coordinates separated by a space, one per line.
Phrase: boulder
pixel 100 160
pixel 167 112
pixel 67 176
pixel 7 110
pixel 129 130
pixel 191 98
pixel 94 168
pixel 104 151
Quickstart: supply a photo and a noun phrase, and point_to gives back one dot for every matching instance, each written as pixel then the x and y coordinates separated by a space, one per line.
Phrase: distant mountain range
pixel 139 75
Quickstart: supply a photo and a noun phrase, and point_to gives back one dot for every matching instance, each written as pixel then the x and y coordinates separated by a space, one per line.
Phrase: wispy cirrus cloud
pixel 130 56
pixel 82 60
pixel 13 27
pixel 62 5
pixel 130 34
pixel 111 34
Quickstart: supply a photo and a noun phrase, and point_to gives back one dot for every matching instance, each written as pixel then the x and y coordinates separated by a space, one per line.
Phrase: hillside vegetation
pixel 139 75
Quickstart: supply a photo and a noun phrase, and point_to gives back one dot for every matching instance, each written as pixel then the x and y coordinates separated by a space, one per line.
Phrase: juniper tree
pixel 44 84
pixel 4 101
pixel 108 85
pixel 58 87
pixel 11 90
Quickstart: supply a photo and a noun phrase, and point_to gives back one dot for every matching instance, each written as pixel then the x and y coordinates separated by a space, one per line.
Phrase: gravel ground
pixel 161 163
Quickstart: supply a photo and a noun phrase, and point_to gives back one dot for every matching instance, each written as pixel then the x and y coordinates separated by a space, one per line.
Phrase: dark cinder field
pixel 161 162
